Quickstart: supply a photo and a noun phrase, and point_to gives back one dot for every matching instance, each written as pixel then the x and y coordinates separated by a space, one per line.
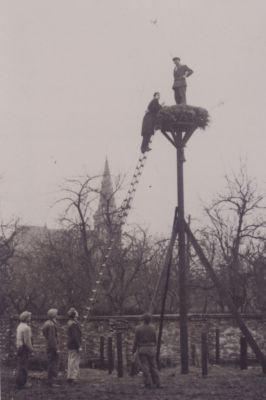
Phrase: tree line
pixel 41 268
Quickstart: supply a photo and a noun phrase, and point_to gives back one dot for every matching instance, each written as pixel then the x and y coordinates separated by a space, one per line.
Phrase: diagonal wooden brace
pixel 188 135
pixel 169 138
pixel 227 298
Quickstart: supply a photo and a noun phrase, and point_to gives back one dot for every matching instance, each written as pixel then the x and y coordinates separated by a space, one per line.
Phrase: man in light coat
pixel 24 348
pixel 74 346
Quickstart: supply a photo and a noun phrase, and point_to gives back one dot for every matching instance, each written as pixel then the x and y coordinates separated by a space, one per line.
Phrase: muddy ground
pixel 223 383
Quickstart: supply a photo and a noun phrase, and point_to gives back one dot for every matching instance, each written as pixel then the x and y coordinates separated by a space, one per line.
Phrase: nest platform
pixel 181 118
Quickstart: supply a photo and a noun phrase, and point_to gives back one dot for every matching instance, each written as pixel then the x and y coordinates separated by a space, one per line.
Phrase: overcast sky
pixel 77 75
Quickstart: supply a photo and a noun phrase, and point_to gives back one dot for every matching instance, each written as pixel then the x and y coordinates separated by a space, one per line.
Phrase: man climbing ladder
pixel 148 123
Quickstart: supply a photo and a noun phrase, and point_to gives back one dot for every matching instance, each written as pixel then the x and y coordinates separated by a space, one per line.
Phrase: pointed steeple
pixel 106 208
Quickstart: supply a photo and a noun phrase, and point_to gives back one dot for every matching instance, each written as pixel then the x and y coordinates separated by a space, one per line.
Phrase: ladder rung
pixel 122 214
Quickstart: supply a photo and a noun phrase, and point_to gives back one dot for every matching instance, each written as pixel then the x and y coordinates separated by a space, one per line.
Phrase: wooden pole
pixel 217 346
pixel 159 342
pixel 168 262
pixel 204 354
pixel 110 355
pixel 119 346
pixel 243 353
pixel 168 258
pixel 228 300
pixel 193 355
pixel 182 257
pixel 101 352
pixel 188 247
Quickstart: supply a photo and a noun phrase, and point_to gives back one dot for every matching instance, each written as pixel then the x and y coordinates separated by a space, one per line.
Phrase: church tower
pixel 106 214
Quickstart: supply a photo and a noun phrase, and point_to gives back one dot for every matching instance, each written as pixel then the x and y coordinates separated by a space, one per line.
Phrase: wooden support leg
pixel 110 355
pixel 217 346
pixel 204 354
pixel 119 346
pixel 102 352
pixel 243 353
pixel 167 267
pixel 227 298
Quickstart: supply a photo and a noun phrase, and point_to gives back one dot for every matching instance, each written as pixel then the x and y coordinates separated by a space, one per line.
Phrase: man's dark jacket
pixel 179 78
pixel 50 333
pixel 145 335
pixel 149 119
pixel 74 335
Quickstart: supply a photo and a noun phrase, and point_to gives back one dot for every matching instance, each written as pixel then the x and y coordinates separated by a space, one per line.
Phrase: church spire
pixel 106 208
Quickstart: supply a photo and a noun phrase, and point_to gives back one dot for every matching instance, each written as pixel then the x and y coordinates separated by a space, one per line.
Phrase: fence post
pixel 193 355
pixel 119 346
pixel 204 354
pixel 101 352
pixel 243 353
pixel 217 346
pixel 110 355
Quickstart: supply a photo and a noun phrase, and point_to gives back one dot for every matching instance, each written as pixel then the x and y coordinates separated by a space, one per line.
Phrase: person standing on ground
pixel 148 123
pixel 50 333
pixel 145 343
pixel 74 346
pixel 24 348
pixel 181 72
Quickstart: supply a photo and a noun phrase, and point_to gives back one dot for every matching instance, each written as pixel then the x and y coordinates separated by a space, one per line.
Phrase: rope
pixel 122 216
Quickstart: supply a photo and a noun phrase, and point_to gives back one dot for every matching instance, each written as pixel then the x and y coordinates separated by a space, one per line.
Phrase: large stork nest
pixel 181 118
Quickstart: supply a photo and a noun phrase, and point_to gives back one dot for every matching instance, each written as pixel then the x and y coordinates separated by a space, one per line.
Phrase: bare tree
pixel 237 226
pixel 9 233
pixel 259 273
pixel 122 278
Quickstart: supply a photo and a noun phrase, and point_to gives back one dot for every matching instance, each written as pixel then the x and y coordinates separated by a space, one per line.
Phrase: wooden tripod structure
pixel 179 139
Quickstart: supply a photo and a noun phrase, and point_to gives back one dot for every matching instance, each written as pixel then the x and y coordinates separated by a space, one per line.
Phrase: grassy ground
pixel 223 383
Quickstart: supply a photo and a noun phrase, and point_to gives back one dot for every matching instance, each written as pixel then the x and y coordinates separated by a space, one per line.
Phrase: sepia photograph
pixel 132 200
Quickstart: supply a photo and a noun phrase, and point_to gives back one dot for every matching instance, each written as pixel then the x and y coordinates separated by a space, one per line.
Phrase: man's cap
pixel 72 312
pixel 52 313
pixel 147 317
pixel 24 316
pixel 177 58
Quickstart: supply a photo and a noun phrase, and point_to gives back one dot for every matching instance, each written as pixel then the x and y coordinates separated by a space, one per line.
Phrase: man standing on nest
pixel 181 72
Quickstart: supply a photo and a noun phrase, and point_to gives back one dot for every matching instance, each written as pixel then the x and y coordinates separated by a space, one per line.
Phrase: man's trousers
pixel 147 357
pixel 52 367
pixel 22 366
pixel 73 364
pixel 180 95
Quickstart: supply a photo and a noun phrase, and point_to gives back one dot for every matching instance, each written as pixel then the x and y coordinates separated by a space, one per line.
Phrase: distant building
pixel 105 220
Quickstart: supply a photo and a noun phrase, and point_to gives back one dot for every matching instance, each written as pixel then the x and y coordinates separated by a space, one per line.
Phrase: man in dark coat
pixel 50 333
pixel 145 343
pixel 74 346
pixel 148 122
pixel 181 72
